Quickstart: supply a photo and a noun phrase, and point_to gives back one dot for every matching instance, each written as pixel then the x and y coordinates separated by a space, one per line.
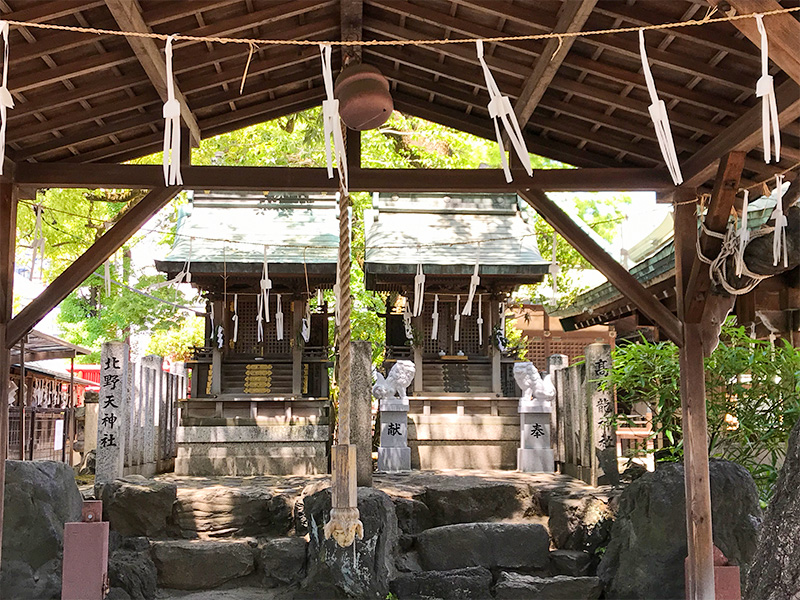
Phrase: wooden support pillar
pixel 297 349
pixel 700 543
pixel 23 437
pixel 8 233
pixel 494 353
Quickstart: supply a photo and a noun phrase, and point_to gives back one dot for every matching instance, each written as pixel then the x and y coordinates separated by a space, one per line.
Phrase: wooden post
pixel 8 233
pixel 700 544
pixel 21 399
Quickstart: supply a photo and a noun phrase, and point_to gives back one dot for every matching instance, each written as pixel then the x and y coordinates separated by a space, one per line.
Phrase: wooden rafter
pixel 571 18
pixel 88 262
pixel 783 32
pixel 128 15
pixel 618 275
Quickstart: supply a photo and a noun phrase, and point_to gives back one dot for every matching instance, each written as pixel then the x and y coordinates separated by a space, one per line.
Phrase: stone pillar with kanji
pixel 393 453
pixel 600 405
pixel 535 454
pixel 113 408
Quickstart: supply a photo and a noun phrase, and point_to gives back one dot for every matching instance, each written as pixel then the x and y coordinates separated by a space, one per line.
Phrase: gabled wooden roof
pixel 88 98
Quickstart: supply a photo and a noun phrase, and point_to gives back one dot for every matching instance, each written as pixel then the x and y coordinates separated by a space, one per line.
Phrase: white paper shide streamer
pixel 6 101
pixel 305 324
pixel 220 337
pixel 235 318
pixel 435 318
pixel 260 317
pixel 38 243
pixel 409 329
pixel 743 234
pixel 658 113
pixel 419 291
pixel 279 319
pixel 457 319
pixel 765 89
pixel 172 126
pixel 474 282
pixel 779 235
pixel 500 110
pixel 266 285
pixel 330 116
pixel 479 320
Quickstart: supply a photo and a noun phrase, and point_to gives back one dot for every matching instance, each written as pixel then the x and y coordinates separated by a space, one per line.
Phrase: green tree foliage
pixel 752 398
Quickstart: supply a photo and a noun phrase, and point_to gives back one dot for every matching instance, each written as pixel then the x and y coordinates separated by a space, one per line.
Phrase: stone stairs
pixel 466 537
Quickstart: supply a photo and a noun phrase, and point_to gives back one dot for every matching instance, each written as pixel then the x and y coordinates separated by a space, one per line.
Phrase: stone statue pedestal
pixel 535 454
pixel 393 453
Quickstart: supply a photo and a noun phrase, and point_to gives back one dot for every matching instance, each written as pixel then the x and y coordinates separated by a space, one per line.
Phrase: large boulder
pixel 413 516
pixel 491 545
pixel 222 511
pixel 201 564
pixel 645 557
pixel 468 499
pixel 137 506
pixel 131 569
pixel 459 584
pixel 775 573
pixel 40 497
pixel 580 522
pixel 282 560
pixel 362 570
pixel 561 587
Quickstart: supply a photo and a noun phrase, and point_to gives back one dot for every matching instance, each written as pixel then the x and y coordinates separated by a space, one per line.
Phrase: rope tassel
pixel 330 116
pixel 500 110
pixel 765 89
pixel 6 101
pixel 779 235
pixel 172 126
pixel 658 113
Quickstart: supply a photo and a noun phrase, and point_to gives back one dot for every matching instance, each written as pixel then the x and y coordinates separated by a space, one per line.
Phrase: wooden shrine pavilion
pixel 85 103
pixel 260 383
pixel 464 390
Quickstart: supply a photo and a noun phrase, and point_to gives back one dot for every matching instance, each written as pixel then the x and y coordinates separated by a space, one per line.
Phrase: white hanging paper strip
pixel 435 318
pixel 503 318
pixel 279 319
pixel 479 320
pixel 658 113
pixel 212 318
pixel 407 321
pixel 188 276
pixel 172 126
pixel 779 235
pixel 305 325
pixel 235 318
pixel 38 243
pixel 500 110
pixel 330 116
pixel 266 285
pixel 765 89
pixel 6 101
pixel 419 291
pixel 554 268
pixel 474 282
pixel 743 234
pixel 457 319
pixel 220 336
pixel 260 317
pixel 184 275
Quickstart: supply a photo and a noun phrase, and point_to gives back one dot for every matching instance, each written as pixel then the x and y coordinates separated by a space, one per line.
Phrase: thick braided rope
pixel 346 303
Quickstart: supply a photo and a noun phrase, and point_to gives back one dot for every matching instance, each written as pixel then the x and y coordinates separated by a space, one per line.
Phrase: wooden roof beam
pixel 743 134
pixel 572 17
pixel 783 31
pixel 88 262
pixel 128 15
pixel 618 275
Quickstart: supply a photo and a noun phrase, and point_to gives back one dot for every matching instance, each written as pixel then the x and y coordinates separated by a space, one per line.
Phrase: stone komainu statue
pixel 395 383
pixel 531 383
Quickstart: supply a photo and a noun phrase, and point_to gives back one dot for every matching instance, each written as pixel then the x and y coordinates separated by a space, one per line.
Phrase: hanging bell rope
pixel 765 89
pixel 435 318
pixel 279 318
pixel 6 101
pixel 658 113
pixel 332 125
pixel 500 110
pixel 419 291
pixel 172 126
pixel 779 235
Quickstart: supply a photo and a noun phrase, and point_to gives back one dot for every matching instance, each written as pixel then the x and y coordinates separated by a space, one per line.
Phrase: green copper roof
pixel 234 227
pixel 449 234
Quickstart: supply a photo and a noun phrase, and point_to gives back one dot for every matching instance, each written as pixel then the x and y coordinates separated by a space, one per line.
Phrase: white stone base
pixel 392 460
pixel 535 460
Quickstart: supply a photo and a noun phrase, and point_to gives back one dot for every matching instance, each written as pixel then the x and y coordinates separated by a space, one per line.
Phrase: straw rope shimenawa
pixel 505 38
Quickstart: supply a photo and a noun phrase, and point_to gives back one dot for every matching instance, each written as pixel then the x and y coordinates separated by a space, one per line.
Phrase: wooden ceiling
pixel 94 98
